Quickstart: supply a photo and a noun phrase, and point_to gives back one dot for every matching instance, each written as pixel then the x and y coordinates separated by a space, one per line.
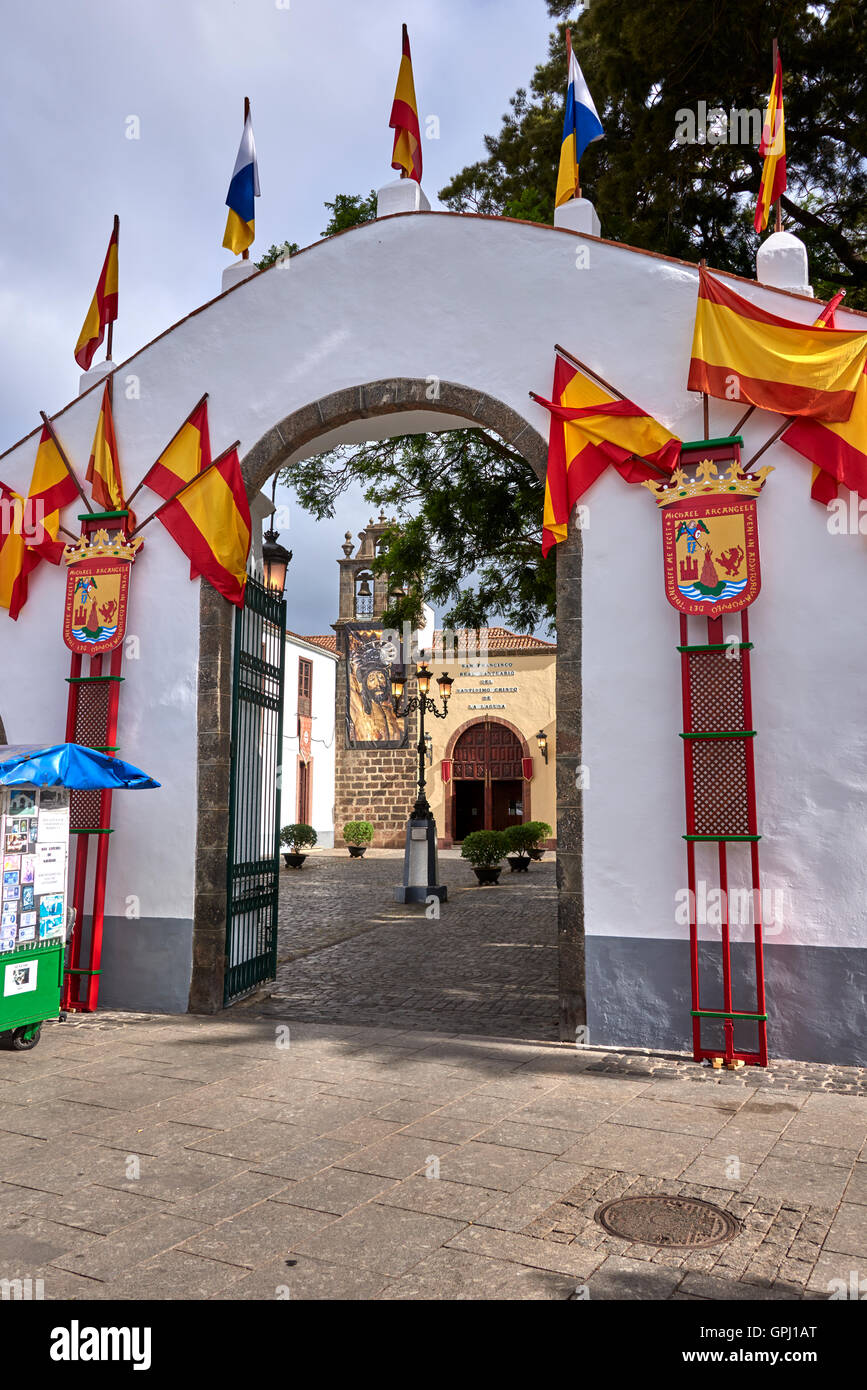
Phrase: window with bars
pixel 305 686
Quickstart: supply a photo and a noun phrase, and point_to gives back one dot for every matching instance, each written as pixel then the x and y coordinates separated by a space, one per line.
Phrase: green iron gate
pixel 254 791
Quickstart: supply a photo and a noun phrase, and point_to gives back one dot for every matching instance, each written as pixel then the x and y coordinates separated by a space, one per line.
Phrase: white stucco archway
pixel 480 302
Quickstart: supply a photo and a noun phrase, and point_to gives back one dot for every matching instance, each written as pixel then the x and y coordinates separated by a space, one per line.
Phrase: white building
pixel 307 793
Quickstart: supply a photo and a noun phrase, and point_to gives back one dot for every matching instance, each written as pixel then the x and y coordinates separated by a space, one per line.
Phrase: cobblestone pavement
pixel 347 953
pixel 241 1157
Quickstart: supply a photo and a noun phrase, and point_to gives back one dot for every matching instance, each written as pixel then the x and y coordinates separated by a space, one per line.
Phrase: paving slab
pixel 388 1239
pixel 304 1278
pixel 455 1274
pixel 258 1234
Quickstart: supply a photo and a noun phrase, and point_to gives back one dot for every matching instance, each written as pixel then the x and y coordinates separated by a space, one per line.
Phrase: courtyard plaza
pixel 262 1154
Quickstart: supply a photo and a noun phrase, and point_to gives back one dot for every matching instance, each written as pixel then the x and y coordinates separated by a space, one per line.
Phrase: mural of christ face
pixel 376 685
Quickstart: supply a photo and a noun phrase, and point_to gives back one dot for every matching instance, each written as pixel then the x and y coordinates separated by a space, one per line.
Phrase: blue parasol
pixel 68 765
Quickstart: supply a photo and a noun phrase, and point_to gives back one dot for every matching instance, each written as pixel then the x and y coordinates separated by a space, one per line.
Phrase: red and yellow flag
pixel 773 151
pixel 103 308
pixel 406 154
pixel 838 451
pixel 590 429
pixel 52 486
pixel 187 454
pixel 210 521
pixel 743 353
pixel 29 526
pixel 103 470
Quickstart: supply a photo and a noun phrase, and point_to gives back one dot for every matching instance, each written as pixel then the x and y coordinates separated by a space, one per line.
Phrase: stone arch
pixel 214 696
pixel 392 397
pixel 488 719
pixel 449 799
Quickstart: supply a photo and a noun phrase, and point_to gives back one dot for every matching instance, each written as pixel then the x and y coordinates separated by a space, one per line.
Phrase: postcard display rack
pixel 711 567
pixel 34 832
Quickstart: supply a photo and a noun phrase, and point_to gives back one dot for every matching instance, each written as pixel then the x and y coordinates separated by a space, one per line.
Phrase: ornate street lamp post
pixel 420 870
pixel 425 704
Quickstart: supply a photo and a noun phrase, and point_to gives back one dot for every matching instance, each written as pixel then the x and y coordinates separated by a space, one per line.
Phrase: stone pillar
pixel 570 816
pixel 212 836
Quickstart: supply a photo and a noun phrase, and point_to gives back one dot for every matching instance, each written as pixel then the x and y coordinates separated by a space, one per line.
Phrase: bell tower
pixel 375 773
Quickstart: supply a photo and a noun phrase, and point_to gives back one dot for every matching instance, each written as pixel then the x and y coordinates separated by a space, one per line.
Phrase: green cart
pixel 35 914
pixel 31 983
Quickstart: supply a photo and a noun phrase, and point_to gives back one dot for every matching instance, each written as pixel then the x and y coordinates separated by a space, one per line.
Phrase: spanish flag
pixel 773 151
pixel 581 125
pixel 406 154
pixel 838 451
pixel 743 353
pixel 210 521
pixel 103 307
pixel 103 469
pixel 28 532
pixel 52 486
pixel 185 455
pixel 243 192
pixel 590 429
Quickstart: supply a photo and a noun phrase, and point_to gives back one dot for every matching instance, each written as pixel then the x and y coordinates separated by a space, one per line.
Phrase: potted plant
pixel 520 839
pixel 297 838
pixel 485 849
pixel 543 832
pixel 358 835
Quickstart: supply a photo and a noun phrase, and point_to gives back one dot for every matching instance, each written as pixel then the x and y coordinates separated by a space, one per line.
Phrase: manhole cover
pixel 683 1221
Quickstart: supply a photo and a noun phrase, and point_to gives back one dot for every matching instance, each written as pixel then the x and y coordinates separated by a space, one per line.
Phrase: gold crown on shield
pixel 98 547
pixel 707 482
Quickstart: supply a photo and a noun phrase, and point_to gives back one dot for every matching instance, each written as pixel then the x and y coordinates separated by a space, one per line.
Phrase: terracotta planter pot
pixel 357 851
pixel 518 863
pixel 489 874
pixel 293 861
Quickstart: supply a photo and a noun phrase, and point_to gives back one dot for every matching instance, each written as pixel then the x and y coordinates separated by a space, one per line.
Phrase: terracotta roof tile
pixel 500 639
pixel 327 641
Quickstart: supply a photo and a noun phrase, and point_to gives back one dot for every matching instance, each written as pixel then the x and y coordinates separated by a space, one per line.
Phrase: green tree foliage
pixel 350 210
pixel 647 62
pixel 470 507
pixel 468 512
pixel 277 253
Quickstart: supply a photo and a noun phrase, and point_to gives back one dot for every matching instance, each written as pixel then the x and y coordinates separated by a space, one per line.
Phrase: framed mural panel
pixel 370 718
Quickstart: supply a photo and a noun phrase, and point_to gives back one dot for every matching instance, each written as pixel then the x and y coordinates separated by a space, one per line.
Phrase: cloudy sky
pixel 320 77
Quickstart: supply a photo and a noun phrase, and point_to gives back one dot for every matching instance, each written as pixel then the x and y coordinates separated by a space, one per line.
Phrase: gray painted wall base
pixel 638 995
pixel 147 964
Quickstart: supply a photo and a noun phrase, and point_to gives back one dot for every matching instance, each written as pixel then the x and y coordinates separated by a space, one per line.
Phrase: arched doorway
pixel 303 429
pixel 487 772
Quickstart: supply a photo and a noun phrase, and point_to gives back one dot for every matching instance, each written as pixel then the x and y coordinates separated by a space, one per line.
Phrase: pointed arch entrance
pixel 488 790
pixel 305 430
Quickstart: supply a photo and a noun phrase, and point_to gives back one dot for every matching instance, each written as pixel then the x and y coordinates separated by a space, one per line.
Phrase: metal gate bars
pixel 253 862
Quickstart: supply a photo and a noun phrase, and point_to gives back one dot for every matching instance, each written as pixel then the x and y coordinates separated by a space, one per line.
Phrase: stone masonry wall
pixel 375 784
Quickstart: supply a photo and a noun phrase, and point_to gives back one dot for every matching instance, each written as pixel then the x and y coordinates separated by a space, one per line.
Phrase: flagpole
pixel 116 238
pixel 67 465
pixel 176 495
pixel 775 436
pixel 705 407
pixel 245 254
pixel 568 73
pixel 775 53
pixel 140 485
